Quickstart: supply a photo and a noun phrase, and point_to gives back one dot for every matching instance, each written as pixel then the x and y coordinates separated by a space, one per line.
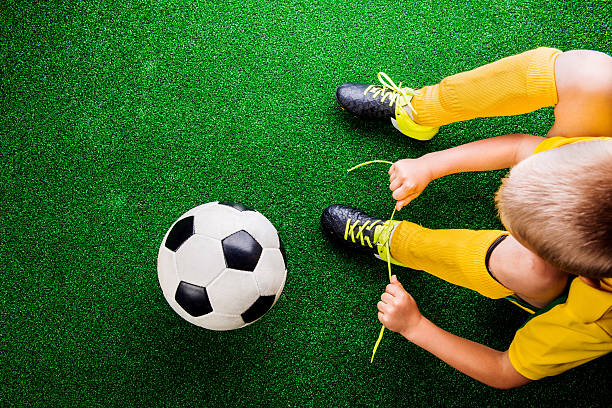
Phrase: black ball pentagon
pixel 258 309
pixel 193 299
pixel 236 206
pixel 241 251
pixel 179 233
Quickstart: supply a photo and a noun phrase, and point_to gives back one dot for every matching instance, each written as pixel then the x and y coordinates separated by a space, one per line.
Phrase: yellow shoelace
pixel 349 230
pixel 346 232
pixel 392 91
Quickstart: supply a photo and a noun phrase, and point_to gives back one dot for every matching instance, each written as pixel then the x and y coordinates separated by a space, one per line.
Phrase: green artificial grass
pixel 117 117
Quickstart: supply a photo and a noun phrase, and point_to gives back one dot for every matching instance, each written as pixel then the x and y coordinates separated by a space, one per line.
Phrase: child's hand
pixel 409 177
pixel 397 310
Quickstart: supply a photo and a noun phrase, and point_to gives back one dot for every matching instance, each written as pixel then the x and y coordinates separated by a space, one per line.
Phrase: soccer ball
pixel 221 266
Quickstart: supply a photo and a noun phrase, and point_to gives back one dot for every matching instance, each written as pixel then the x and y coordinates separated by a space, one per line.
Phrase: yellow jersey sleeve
pixel 568 335
pixel 554 142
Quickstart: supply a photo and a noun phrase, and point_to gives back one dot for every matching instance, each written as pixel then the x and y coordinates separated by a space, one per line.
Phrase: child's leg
pixel 511 86
pixel 460 257
pixel 584 86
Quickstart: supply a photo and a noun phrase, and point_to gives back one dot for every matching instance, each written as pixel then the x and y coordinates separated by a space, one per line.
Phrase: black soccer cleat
pixel 357 230
pixel 387 101
pixel 352 228
pixel 365 101
pixel 374 101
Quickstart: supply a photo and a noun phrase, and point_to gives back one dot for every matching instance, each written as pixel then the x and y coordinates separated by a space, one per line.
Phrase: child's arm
pixel 398 312
pixel 409 177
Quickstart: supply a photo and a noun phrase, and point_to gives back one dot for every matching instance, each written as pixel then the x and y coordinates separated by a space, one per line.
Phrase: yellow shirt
pixel 553 142
pixel 570 333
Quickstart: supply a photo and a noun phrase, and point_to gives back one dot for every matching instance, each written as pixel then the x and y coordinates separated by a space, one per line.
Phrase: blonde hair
pixel 559 204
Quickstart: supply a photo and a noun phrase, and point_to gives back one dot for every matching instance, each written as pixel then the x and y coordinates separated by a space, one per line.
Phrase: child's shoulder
pixel 591 304
pixel 567 335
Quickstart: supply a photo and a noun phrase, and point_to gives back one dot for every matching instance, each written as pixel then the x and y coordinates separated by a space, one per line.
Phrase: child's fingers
pixel 394 281
pixel 381 318
pixel 386 298
pixel 395 288
pixel 382 307
pixel 394 179
pixel 394 184
pixel 403 191
pixel 397 193
pixel 402 203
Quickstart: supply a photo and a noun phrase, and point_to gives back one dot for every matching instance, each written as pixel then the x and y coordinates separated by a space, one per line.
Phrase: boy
pixel 556 204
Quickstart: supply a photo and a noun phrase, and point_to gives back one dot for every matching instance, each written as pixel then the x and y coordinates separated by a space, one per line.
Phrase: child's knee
pixel 584 69
pixel 525 273
pixel 546 278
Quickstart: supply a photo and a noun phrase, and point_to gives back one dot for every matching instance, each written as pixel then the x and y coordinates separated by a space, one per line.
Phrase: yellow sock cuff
pixel 511 86
pixel 456 256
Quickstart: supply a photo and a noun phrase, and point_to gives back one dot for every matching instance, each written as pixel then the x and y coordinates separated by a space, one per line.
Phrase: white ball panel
pixel 193 211
pixel 280 290
pixel 169 281
pixel 197 209
pixel 166 271
pixel 200 260
pixel 260 228
pixel 217 221
pixel 270 271
pixel 219 321
pixel 233 292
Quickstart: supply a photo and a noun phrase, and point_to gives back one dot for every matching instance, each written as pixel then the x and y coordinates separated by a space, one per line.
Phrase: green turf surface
pixel 116 118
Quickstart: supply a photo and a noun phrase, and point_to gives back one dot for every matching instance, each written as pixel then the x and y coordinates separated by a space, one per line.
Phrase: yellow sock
pixel 457 256
pixel 511 86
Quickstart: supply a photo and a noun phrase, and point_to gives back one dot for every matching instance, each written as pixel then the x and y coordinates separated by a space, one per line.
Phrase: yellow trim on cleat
pixel 401 97
pixel 404 123
pixel 381 237
pixel 354 231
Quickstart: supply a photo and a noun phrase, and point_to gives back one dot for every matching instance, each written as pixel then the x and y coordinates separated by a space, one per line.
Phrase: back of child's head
pixel 558 203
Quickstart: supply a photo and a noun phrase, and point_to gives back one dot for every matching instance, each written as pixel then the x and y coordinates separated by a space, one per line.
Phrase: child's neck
pixel 595 283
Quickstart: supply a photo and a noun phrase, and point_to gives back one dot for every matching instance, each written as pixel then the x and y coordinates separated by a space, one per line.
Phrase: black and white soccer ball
pixel 221 266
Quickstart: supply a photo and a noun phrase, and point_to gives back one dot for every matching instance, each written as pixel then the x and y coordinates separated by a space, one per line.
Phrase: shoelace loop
pixel 392 91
